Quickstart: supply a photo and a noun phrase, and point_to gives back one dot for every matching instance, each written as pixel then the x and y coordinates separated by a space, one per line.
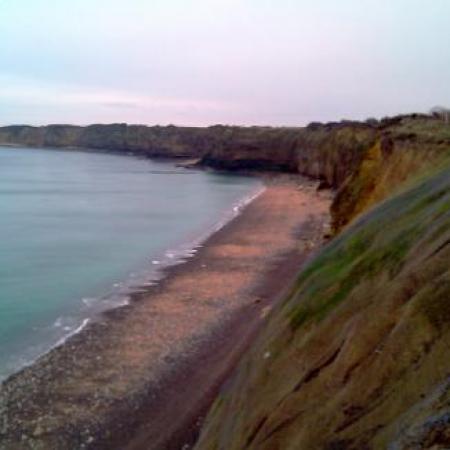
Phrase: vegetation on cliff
pixel 357 356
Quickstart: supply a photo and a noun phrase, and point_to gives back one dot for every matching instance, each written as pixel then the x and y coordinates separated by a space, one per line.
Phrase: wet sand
pixel 143 376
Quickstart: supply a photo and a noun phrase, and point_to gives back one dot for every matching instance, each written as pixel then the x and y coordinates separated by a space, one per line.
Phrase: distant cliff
pixel 363 160
pixel 154 141
pixel 313 150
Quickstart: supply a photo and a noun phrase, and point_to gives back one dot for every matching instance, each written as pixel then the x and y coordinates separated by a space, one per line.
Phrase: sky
pixel 203 62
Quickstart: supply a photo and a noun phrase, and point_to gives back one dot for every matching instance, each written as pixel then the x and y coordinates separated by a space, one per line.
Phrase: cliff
pixel 358 354
pixel 170 141
pixel 364 162
pixel 404 149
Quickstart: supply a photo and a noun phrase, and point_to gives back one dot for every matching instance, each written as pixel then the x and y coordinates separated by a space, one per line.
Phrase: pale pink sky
pixel 199 62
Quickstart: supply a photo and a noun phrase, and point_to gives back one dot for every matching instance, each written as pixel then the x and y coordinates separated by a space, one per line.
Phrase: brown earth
pixel 357 355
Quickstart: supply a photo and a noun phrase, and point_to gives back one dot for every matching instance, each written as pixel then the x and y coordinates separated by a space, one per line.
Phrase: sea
pixel 81 231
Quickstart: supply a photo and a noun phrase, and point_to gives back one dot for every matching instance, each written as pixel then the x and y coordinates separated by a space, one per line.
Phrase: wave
pixel 138 282
pixel 73 332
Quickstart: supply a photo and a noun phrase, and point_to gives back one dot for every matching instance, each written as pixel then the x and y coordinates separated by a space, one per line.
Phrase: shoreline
pixel 180 252
pixel 116 379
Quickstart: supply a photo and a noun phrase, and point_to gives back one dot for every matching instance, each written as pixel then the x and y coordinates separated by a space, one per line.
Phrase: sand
pixel 143 376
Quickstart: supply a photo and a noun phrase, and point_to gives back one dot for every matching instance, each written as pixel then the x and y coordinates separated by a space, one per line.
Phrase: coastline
pixel 125 290
pixel 128 376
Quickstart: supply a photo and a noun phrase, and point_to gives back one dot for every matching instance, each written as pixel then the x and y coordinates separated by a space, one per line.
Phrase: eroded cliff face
pixel 401 153
pixel 358 354
pixel 327 152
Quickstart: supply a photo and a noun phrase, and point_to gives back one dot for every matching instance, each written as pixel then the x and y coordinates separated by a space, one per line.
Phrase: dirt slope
pixel 358 356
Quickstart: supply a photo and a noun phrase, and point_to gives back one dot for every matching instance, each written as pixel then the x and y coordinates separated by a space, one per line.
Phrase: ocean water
pixel 79 231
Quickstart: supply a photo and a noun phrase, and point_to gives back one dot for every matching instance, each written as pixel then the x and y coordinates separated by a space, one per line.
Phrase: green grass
pixel 377 244
pixel 428 128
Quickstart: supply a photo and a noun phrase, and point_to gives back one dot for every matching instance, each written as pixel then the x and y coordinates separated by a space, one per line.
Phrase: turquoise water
pixel 79 230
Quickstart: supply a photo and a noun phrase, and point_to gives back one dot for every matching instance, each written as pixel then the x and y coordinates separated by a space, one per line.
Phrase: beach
pixel 143 376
